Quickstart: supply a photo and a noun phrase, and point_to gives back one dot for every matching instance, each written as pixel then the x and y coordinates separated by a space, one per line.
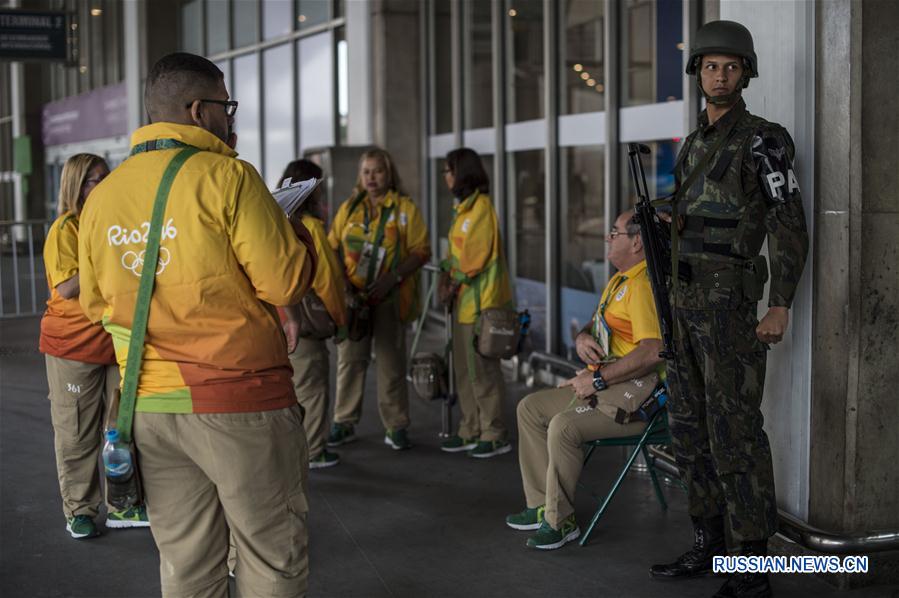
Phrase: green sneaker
pixel 133 517
pixel 81 526
pixel 457 444
pixel 548 538
pixel 490 448
pixel 397 440
pixel 529 519
pixel 341 434
pixel 324 459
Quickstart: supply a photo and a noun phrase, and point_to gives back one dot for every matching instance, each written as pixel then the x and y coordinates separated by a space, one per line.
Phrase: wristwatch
pixel 598 383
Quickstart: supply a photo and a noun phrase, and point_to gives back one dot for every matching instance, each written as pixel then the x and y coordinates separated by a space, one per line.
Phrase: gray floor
pixel 383 523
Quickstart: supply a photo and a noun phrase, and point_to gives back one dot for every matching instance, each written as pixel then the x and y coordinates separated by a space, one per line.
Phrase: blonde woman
pixel 81 364
pixel 383 242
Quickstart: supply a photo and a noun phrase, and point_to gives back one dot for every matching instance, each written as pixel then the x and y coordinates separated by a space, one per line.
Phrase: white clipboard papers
pixel 290 196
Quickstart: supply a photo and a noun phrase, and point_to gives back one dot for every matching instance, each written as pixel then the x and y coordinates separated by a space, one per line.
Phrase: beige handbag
pixel 497 333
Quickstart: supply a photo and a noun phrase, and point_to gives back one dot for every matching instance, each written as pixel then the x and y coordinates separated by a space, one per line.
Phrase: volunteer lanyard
pixel 147 280
pixel 599 317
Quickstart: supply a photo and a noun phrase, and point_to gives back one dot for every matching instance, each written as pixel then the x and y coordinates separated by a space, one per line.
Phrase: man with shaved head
pixel 217 428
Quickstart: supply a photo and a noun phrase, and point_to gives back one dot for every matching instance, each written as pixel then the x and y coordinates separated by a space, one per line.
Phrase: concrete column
pixel 854 472
pixel 396 85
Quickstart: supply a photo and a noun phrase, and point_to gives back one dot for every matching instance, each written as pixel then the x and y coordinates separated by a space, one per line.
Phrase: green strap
pixel 379 238
pixel 145 291
pixel 157 144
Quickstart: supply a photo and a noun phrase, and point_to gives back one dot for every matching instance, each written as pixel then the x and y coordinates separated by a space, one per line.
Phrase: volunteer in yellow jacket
pixel 217 425
pixel 475 278
pixel 382 239
pixel 81 368
pixel 310 359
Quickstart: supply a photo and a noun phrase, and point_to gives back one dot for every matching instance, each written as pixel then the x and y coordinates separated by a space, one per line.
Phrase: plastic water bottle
pixel 121 484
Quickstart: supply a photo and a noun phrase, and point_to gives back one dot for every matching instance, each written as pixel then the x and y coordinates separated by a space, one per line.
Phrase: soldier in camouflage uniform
pixel 736 187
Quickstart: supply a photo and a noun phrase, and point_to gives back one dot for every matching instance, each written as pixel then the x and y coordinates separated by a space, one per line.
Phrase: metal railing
pixel 788 526
pixel 23 285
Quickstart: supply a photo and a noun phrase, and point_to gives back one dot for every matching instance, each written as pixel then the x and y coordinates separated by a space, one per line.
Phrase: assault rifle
pixel 656 246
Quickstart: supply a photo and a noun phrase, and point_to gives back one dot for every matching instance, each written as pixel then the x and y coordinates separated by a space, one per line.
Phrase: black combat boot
pixel 708 542
pixel 747 585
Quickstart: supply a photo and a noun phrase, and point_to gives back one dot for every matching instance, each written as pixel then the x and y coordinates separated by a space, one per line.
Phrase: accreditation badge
pixel 605 334
pixel 368 251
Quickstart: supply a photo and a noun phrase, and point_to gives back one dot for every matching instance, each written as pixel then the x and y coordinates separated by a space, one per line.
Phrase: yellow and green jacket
pixel 227 254
pixel 328 283
pixel 65 331
pixel 476 259
pixel 405 234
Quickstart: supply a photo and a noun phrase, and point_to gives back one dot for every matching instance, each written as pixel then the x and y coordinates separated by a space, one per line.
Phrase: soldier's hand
pixel 772 327
pixel 588 349
pixel 666 217
pixel 581 384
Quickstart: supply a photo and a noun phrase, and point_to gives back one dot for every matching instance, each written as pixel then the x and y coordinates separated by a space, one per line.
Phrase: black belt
pixel 694 245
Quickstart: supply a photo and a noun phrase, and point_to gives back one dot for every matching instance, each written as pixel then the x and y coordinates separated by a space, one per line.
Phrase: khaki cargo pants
pixel 206 475
pixel 480 386
pixel 353 358
pixel 553 425
pixel 78 396
pixel 310 382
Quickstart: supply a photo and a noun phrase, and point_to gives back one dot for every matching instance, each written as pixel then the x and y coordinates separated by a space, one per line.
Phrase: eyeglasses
pixel 230 105
pixel 447 170
pixel 615 232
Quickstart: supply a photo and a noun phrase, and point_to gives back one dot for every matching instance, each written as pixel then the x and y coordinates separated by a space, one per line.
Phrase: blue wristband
pixel 598 383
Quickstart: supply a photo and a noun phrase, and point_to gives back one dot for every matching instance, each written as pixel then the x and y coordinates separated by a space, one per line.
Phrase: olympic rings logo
pixel 135 261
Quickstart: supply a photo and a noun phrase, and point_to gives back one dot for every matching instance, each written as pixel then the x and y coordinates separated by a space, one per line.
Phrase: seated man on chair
pixel 621 347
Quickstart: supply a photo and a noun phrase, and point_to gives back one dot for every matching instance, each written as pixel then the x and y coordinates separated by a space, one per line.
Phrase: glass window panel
pixel 477 68
pixel 192 27
pixel 98 39
pixel 524 22
pixel 246 122
pixel 581 53
pixel 659 169
pixel 526 186
pixel 582 237
pixel 218 26
pixel 651 51
pixel 443 92
pixel 277 18
pixel 313 12
pixel 316 90
pixel 246 22
pixel 280 146
pixel 343 87
pixel 225 67
pixel 445 203
pixel 112 19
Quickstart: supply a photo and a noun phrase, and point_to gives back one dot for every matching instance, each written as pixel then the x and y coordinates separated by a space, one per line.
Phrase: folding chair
pixel 656 432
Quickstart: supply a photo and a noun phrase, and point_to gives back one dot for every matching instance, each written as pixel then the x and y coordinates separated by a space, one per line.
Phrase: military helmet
pixel 723 37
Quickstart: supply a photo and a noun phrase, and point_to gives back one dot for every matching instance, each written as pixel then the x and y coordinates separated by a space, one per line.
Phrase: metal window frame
pixel 551 161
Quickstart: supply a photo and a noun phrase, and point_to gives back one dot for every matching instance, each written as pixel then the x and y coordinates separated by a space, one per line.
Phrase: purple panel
pixel 93 115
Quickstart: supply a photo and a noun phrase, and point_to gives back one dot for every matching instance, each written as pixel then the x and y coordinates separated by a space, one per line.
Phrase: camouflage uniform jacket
pixel 745 192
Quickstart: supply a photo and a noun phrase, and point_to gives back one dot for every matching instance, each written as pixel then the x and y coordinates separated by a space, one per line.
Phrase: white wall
pixel 784 92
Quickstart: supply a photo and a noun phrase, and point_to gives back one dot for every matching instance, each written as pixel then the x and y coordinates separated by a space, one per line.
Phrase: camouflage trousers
pixel 716 424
